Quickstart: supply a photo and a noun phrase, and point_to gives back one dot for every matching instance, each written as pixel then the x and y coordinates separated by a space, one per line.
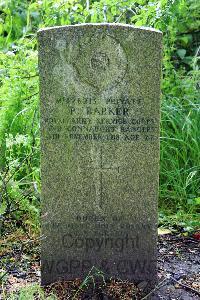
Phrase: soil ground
pixel 178 272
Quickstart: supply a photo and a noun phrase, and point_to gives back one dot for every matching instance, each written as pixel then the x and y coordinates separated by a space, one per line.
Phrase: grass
pixel 180 143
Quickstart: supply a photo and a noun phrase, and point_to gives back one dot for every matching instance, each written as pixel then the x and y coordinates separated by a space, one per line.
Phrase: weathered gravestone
pixel 100 112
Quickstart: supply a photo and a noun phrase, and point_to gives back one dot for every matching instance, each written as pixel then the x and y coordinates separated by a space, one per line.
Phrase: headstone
pixel 100 113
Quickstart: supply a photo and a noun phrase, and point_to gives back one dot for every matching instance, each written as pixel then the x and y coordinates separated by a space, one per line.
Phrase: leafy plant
pixel 31 292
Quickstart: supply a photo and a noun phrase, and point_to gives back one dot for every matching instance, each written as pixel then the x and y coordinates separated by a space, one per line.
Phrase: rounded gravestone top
pixel 89 25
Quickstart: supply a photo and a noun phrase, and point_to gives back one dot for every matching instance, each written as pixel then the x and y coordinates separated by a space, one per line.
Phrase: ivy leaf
pixel 186 39
pixel 181 53
pixel 197 201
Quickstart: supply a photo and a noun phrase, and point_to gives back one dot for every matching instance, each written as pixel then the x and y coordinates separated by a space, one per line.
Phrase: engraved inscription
pixel 104 120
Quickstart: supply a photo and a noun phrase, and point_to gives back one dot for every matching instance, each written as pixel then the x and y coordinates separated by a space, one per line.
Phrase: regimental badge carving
pixel 100 61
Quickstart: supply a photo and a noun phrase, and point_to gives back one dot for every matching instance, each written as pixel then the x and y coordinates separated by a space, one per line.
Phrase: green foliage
pixel 180 221
pixel 180 159
pixel 19 134
pixel 19 127
pixel 31 292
